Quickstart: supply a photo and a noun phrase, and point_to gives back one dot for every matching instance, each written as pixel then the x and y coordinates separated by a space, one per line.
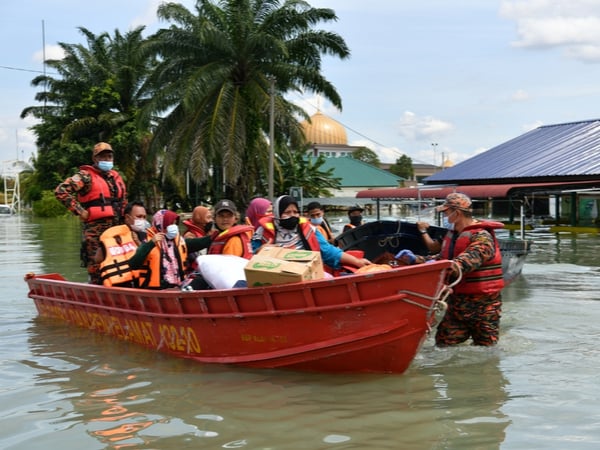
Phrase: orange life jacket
pixel 154 264
pixel 220 239
pixel 119 246
pixel 487 279
pixel 99 201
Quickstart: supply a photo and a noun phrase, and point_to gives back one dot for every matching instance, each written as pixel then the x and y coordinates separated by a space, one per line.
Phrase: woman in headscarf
pixel 287 229
pixel 200 224
pixel 257 209
pixel 162 257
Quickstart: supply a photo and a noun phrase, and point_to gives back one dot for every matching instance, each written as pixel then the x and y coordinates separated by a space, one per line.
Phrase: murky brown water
pixel 72 389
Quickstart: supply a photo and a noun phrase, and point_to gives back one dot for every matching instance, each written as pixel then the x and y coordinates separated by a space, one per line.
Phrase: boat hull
pixel 374 322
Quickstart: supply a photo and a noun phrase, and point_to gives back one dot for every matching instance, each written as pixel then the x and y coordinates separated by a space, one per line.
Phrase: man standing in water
pixel 475 305
pixel 96 194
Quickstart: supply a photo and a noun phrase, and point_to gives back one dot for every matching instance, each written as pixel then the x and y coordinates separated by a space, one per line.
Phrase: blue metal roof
pixel 568 150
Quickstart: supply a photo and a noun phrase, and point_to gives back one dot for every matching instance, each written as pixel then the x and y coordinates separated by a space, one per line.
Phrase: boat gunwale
pixel 350 281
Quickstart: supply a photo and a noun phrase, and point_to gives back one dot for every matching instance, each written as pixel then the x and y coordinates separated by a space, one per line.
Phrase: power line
pixel 21 69
pixel 398 152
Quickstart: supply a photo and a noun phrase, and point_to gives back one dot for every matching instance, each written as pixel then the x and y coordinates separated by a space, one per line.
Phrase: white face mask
pixel 140 225
pixel 172 231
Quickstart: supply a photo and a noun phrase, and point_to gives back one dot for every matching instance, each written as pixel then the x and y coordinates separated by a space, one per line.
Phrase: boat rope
pixel 393 241
pixel 437 310
pixel 458 270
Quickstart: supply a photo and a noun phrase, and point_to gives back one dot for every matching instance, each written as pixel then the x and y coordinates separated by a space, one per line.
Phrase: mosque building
pixel 326 137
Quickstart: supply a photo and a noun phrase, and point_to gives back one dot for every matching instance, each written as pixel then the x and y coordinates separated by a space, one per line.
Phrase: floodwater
pixel 72 389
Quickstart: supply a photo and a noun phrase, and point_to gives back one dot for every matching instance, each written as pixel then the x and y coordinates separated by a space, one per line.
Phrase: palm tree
pixel 213 81
pixel 97 96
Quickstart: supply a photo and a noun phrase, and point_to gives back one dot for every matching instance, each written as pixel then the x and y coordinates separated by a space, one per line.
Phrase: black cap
pixel 225 205
pixel 355 208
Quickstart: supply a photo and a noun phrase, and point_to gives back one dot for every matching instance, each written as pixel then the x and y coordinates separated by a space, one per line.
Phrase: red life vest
pixel 99 201
pixel 119 246
pixel 198 232
pixel 304 227
pixel 487 279
pixel 220 239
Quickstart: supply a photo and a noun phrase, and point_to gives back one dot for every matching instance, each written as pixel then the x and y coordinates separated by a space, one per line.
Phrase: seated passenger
pixel 257 209
pixel 118 244
pixel 287 229
pixel 200 224
pixel 316 215
pixel 162 257
pixel 229 238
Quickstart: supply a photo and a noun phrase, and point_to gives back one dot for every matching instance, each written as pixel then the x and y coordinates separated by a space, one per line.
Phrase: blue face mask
pixel 172 231
pixel 446 222
pixel 105 166
pixel 316 220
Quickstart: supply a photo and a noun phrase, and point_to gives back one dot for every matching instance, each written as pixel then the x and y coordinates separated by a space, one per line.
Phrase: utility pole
pixel 434 146
pixel 271 137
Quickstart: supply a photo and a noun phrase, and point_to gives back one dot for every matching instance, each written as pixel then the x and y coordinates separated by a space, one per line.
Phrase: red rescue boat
pixel 371 322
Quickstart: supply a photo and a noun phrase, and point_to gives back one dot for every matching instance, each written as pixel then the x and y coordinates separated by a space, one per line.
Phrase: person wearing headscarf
pixel 257 209
pixel 286 228
pixel 200 224
pixel 162 257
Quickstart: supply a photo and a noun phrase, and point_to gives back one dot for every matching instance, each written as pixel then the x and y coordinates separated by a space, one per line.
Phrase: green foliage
pixel 297 169
pixel 48 206
pixel 403 167
pixel 366 155
pixel 220 65
pixel 97 96
pixel 192 98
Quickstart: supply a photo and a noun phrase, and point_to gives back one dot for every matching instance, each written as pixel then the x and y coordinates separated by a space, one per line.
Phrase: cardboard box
pixel 266 271
pixel 311 259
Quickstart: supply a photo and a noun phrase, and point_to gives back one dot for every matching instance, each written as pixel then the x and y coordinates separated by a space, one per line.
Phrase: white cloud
pixel 532 126
pixel 52 52
pixel 520 96
pixel 572 25
pixel 148 16
pixel 415 128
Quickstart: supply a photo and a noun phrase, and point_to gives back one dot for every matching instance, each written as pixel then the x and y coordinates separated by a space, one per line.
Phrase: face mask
pixel 105 166
pixel 446 222
pixel 208 226
pixel 139 225
pixel 316 220
pixel 290 223
pixel 355 220
pixel 172 231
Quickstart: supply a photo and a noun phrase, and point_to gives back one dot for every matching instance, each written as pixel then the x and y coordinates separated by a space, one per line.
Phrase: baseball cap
pixel 225 205
pixel 101 147
pixel 456 200
pixel 355 208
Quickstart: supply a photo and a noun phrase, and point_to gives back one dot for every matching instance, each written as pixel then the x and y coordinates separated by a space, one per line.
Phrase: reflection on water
pixel 72 389
pixel 124 396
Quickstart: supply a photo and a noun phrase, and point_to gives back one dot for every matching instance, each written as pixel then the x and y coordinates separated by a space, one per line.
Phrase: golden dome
pixel 447 164
pixel 324 130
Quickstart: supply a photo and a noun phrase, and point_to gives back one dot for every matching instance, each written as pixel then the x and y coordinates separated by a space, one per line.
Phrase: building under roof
pixel 560 161
pixel 356 176
pixel 562 152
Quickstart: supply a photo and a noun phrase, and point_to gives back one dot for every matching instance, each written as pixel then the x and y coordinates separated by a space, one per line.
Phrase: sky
pixel 435 80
